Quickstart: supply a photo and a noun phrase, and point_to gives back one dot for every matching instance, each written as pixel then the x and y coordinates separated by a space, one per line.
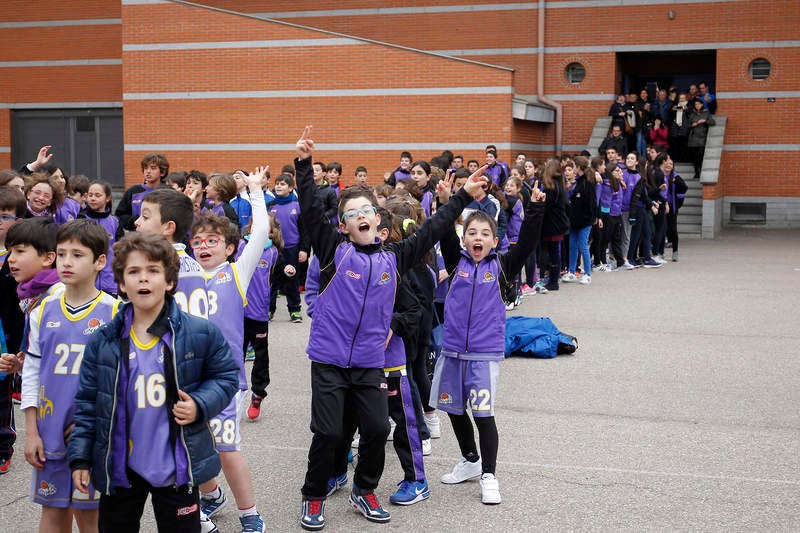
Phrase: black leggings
pixel 487 434
pixel 672 229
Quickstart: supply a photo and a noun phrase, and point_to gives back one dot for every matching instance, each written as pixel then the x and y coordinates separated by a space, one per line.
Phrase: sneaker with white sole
pixel 490 489
pixel 627 266
pixel 206 524
pixel 212 506
pixel 252 523
pixel 410 492
pixel 510 307
pixel 367 504
pixel 585 279
pixel 463 471
pixel 312 515
pixel 427 449
pixel 569 277
pixel 434 424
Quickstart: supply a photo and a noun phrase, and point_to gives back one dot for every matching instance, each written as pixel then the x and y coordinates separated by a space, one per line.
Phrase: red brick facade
pixel 383 97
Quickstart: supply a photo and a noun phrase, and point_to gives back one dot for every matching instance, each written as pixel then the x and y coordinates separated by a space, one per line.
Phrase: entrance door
pixel 85 141
pixel 639 70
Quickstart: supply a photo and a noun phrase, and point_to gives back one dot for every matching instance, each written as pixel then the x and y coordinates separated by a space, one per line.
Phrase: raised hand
pixel 445 187
pixel 42 158
pixel 537 195
pixel 476 180
pixel 255 178
pixel 305 145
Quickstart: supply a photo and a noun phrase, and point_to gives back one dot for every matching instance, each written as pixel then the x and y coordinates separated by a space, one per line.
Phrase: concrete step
pixel 689 218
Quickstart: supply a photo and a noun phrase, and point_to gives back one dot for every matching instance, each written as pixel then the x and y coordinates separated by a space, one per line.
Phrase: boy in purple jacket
pixel 286 210
pixel 473 345
pixel 351 329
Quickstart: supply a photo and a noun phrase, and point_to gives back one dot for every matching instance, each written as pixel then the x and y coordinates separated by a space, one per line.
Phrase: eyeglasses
pixel 7 218
pixel 353 213
pixel 210 242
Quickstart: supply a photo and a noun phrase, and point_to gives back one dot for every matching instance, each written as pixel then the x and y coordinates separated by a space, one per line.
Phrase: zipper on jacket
pixel 472 299
pixel 111 431
pixel 361 316
pixel 178 387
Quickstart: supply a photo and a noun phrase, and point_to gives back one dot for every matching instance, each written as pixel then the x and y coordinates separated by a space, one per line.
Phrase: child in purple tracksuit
pixel 286 210
pixel 474 338
pixel 407 439
pixel 351 328
pixel 98 208
pixel 256 313
pixel 611 215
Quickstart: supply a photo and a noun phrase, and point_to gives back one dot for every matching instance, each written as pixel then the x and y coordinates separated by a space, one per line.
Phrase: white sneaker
pixel 490 489
pixel 586 279
pixel 426 447
pixel 569 277
pixel 434 424
pixel 392 425
pixel 510 307
pixel 602 267
pixel 627 266
pixel 206 524
pixel 463 471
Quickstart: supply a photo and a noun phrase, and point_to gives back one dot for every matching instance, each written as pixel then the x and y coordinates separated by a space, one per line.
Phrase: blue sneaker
pixel 312 515
pixel 336 482
pixel 212 506
pixel 252 523
pixel 410 492
pixel 367 504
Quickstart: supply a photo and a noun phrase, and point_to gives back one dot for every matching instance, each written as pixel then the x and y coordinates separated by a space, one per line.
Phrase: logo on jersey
pixel 45 404
pixel 93 324
pixel 352 274
pixel 161 355
pixel 263 264
pixel 293 211
pixel 489 278
pixel 132 355
pixel 463 274
pixel 53 324
pixel 385 278
pixel 445 399
pixel 46 489
pixel 223 277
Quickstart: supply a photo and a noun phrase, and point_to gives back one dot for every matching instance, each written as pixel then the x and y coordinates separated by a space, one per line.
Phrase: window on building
pixel 575 72
pixel 760 69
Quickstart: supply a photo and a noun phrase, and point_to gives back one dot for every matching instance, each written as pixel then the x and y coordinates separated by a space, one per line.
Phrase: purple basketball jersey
pixel 62 339
pixel 149 451
pixel 226 303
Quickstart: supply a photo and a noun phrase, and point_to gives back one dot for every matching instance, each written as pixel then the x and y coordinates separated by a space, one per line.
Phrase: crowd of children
pixel 129 327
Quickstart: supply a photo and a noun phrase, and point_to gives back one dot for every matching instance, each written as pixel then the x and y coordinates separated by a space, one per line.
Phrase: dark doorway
pixel 85 141
pixel 639 70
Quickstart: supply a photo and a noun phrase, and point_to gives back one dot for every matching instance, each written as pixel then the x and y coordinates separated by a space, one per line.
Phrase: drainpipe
pixel 540 80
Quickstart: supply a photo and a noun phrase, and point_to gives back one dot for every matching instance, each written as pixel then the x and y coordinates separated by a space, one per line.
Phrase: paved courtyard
pixel 680 411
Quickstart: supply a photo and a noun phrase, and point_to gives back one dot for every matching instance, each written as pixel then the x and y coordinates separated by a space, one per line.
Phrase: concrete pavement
pixel 679 411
